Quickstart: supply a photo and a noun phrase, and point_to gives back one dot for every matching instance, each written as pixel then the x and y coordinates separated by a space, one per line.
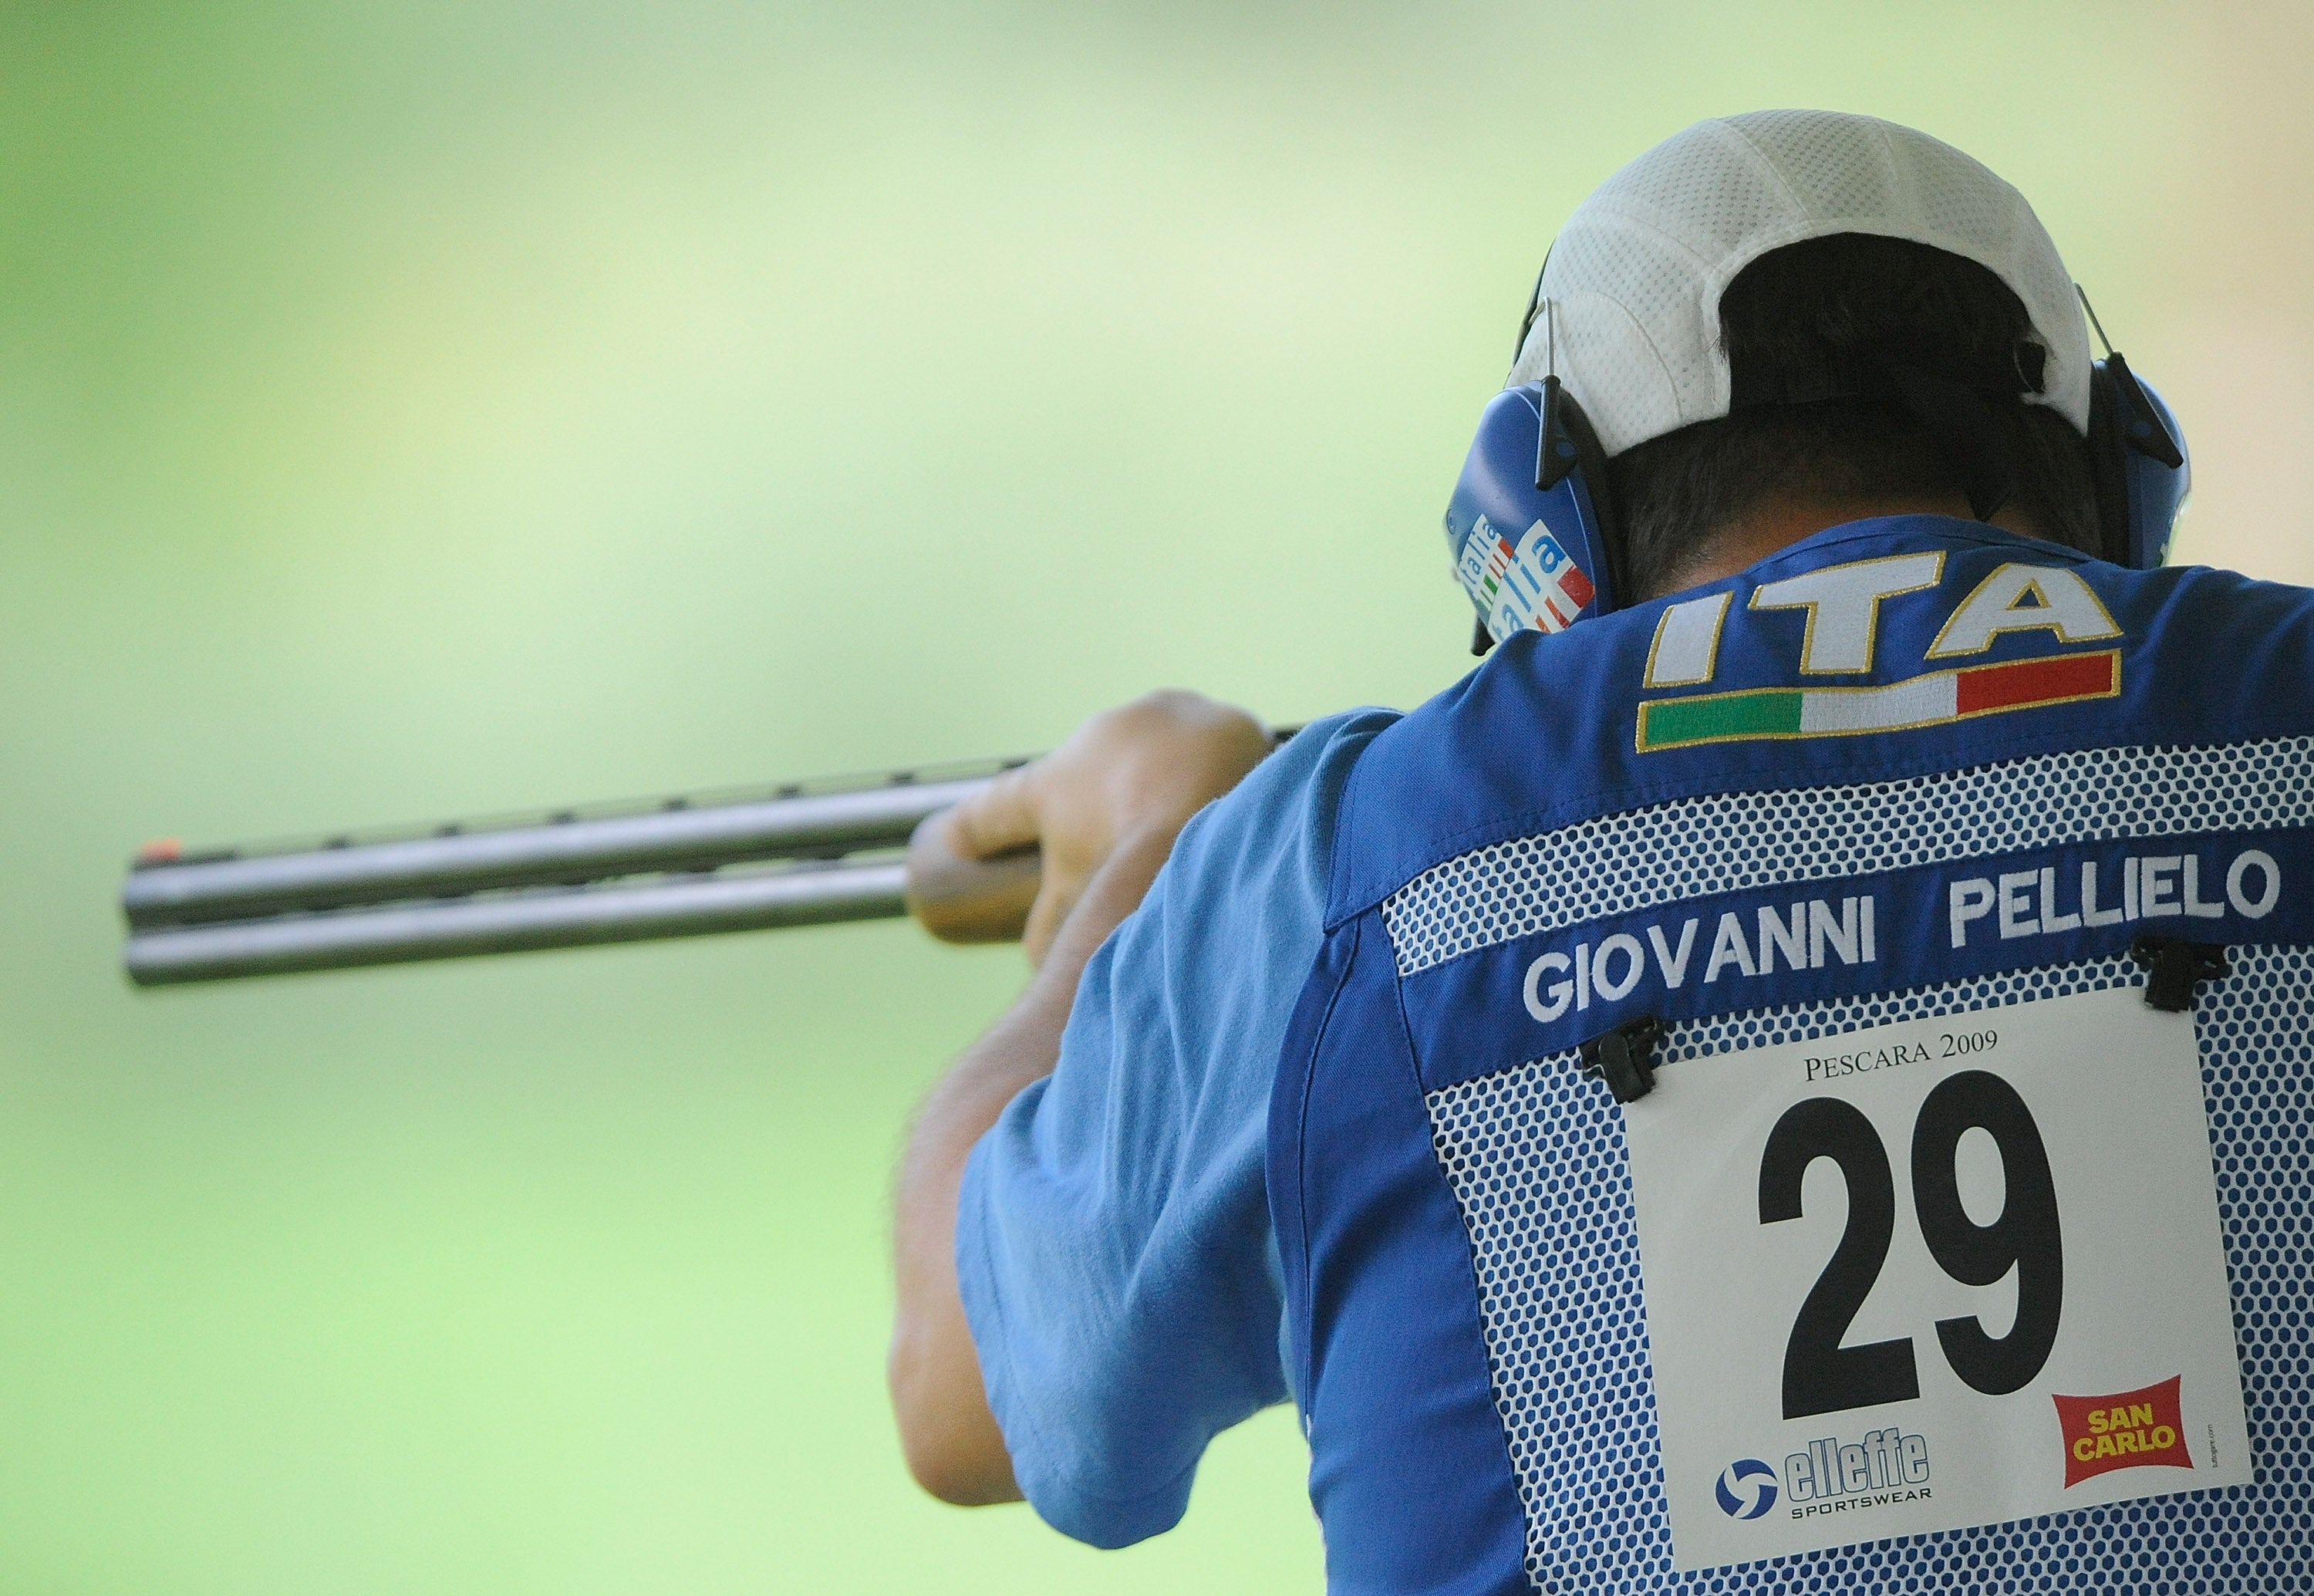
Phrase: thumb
pixel 1000 817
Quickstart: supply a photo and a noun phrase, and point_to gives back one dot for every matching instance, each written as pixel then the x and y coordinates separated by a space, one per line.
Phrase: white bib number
pixel 1937 1274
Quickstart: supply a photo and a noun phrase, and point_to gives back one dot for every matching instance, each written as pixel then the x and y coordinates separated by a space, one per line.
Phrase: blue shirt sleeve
pixel 1113 1242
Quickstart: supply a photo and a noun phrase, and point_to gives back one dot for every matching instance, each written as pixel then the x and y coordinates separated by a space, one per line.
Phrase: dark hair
pixel 1829 315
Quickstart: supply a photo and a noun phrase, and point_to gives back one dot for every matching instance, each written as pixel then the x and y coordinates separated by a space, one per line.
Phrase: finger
pixel 1001 817
pixel 1046 917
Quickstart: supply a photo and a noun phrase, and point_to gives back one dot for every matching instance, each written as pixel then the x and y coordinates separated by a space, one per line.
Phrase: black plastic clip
pixel 1624 1057
pixel 1555 451
pixel 2176 965
pixel 2142 424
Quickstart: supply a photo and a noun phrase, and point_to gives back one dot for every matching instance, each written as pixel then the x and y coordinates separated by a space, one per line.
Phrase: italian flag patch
pixel 1763 713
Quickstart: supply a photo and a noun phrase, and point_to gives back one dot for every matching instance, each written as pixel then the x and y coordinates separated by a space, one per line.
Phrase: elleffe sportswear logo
pixel 1745 1489
pixel 1887 1467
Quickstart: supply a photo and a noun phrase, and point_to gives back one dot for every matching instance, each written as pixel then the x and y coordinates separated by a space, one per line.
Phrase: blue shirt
pixel 1113 1241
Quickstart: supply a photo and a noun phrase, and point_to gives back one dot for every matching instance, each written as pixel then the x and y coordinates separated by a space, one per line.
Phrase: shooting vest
pixel 1862 788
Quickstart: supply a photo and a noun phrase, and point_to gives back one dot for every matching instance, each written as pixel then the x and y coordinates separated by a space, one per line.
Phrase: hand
pixel 1129 778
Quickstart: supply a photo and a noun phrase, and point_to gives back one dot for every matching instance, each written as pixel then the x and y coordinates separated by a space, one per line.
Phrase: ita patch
pixel 1839 609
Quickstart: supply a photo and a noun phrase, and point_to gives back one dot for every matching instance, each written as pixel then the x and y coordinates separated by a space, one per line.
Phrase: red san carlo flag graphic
pixel 2127 1429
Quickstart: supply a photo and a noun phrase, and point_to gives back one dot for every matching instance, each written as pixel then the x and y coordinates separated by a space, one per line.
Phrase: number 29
pixel 1822 1376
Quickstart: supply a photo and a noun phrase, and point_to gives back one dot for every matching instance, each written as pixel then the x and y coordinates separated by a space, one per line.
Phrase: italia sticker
pixel 1935 698
pixel 1536 584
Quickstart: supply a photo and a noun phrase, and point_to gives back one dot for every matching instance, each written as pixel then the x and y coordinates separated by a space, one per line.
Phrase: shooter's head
pixel 1790 308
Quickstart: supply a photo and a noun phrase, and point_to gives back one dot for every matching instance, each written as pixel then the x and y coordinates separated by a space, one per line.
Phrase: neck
pixel 1745 541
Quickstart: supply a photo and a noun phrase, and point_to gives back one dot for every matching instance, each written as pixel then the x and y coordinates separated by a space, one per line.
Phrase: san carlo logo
pixel 1747 1489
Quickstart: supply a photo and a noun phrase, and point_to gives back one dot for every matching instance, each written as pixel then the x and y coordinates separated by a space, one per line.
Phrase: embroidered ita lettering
pixel 1842 604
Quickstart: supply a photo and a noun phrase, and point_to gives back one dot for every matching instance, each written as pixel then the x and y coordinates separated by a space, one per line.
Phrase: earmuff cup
pixel 1529 526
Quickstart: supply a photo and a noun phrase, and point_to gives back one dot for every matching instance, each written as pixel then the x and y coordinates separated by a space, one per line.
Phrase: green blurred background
pixel 417 409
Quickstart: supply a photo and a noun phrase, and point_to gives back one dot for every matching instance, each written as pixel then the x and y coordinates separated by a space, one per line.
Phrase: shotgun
pixel 807 853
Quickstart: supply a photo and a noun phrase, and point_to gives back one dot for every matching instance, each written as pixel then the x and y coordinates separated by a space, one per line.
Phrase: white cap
pixel 1634 278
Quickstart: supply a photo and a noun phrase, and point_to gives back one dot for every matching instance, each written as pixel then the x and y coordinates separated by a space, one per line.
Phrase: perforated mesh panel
pixel 1734 841
pixel 1536 1159
pixel 1710 185
pixel 1817 155
pixel 1638 270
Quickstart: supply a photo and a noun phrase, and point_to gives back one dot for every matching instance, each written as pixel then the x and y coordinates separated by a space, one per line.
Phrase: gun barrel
pixel 565 850
pixel 807 854
pixel 515 921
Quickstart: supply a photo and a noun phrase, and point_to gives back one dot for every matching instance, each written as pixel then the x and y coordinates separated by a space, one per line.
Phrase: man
pixel 1917 847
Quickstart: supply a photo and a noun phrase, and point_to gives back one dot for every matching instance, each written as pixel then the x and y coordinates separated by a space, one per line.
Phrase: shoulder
pixel 1188 999
pixel 1464 765
pixel 1275 830
pixel 2201 595
pixel 2216 655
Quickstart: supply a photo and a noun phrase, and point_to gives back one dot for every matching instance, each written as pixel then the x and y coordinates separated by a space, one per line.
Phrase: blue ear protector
pixel 1536 543
pixel 1529 525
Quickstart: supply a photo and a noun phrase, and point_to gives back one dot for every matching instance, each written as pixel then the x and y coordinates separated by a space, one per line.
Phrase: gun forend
pixel 969 900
